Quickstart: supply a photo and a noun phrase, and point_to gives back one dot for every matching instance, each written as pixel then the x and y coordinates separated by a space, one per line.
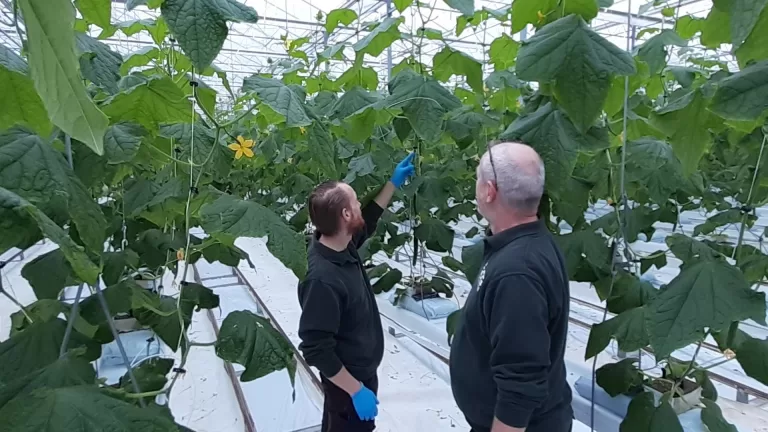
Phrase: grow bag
pixel 690 421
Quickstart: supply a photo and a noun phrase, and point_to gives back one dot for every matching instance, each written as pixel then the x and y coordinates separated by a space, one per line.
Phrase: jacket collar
pixel 494 242
pixel 336 257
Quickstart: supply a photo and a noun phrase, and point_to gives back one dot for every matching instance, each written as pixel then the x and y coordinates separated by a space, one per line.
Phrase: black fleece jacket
pixel 340 323
pixel 507 355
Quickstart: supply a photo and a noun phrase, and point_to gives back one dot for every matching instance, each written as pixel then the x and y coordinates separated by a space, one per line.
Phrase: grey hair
pixel 520 175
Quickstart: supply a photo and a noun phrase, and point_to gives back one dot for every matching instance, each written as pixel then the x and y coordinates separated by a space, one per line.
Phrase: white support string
pixel 624 202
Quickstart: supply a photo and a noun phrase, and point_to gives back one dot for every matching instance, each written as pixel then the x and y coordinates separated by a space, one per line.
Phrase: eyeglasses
pixel 493 166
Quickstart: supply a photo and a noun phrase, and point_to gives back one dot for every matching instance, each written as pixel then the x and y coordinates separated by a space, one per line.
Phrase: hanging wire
pixel 616 258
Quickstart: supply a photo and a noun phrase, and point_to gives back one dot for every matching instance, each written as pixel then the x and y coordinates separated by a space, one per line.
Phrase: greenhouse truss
pixel 156 157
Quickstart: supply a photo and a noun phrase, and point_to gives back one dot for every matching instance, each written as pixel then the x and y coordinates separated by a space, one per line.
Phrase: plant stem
pixel 16 302
pixel 146 394
pixel 690 365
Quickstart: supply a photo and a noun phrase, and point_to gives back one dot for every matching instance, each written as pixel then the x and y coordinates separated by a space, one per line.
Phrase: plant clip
pixel 150 340
pixel 184 283
pixel 193 83
pixel 180 370
pixel 746 209
pixel 172 40
pixel 177 149
pixel 194 190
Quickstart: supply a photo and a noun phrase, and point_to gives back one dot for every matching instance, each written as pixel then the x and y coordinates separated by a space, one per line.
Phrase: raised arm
pixel 373 211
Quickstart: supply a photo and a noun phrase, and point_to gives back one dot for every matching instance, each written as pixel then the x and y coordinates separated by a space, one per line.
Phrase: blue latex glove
pixel 403 170
pixel 365 403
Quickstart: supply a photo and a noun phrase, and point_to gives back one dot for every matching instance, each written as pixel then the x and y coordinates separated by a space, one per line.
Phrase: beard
pixel 357 224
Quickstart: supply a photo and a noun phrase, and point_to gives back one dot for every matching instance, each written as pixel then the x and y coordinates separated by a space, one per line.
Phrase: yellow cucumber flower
pixel 303 130
pixel 242 147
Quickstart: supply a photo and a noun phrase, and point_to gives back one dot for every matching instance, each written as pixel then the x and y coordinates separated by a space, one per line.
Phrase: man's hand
pixel 403 170
pixel 365 403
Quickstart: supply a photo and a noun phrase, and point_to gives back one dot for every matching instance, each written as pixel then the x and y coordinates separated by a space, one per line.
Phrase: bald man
pixel 507 366
pixel 340 327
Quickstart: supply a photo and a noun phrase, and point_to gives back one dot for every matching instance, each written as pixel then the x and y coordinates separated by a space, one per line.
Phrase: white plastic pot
pixel 680 404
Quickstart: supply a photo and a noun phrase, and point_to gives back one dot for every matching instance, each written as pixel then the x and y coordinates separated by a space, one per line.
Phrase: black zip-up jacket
pixel 507 357
pixel 340 323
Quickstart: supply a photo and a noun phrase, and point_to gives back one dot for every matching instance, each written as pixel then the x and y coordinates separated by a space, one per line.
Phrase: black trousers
pixel 339 413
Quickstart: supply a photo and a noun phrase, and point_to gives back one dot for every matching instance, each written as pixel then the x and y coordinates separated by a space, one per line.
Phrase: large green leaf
pixel 751 353
pixel 22 104
pixel 166 324
pixel 688 249
pixel 472 260
pixel 587 9
pixel 755 47
pixel 122 140
pixel 206 150
pixel 715 29
pixel 743 95
pixel 466 7
pixel 200 26
pixel 581 63
pixel 628 292
pixel 423 101
pixel 352 101
pixel 644 416
pixel 139 58
pixel 554 50
pixel 402 5
pixel 654 50
pixel 744 17
pixel 151 374
pixel 526 12
pixel 37 347
pixel 31 168
pixel 280 98
pixel 705 295
pixel 48 274
pixel 83 267
pixel 150 102
pixel 228 218
pixel 690 142
pixel 251 341
pixel 86 407
pixel 618 378
pixel 652 164
pixel 70 370
pixel 628 328
pixel 449 62
pixel 712 417
pixel 436 234
pixel 586 254
pixel 98 12
pixel 503 52
pixel 339 16
pixel 322 148
pixel 555 138
pixel 380 38
pixel 54 70
pixel 98 63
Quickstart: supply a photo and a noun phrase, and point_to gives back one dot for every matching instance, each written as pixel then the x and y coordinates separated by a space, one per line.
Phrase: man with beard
pixel 507 358
pixel 340 327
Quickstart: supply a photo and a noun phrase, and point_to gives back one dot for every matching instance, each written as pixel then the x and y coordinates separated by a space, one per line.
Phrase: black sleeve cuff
pixel 371 214
pixel 513 415
pixel 330 367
